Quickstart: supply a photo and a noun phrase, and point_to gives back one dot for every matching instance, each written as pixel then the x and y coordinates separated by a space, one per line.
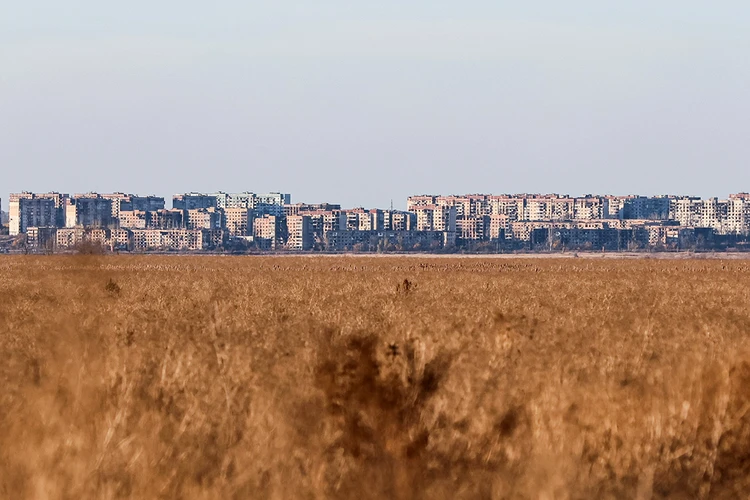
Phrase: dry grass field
pixel 398 378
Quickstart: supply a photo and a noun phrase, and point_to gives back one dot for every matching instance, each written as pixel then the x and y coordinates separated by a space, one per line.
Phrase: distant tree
pixel 88 247
pixel 21 242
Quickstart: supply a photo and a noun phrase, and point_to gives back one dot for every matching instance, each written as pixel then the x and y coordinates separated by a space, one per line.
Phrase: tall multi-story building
pixel 353 217
pixel 685 210
pixel 88 210
pixel 738 214
pixel 472 228
pixel 238 221
pixel 497 227
pixel 436 218
pixel 31 212
pixel 252 200
pixel 278 199
pixel 268 232
pixel 402 221
pixel 36 210
pixel 234 200
pixel 651 208
pixel 589 207
pixel 511 206
pixel 191 201
pixel 444 219
pixel 204 218
pixel 299 232
pixel 167 219
pixel 262 204
pixel 537 208
pixel 414 202
pixel 134 219
pixel 323 222
pixel 122 202
pixel 271 203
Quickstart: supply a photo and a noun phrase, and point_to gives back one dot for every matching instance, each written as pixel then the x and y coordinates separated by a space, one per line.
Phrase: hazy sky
pixel 364 102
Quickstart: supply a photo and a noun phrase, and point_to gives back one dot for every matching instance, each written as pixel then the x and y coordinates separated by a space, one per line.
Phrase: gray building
pixel 89 210
pixel 36 210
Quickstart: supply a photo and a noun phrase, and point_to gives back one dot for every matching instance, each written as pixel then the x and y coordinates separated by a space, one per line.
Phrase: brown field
pixel 404 378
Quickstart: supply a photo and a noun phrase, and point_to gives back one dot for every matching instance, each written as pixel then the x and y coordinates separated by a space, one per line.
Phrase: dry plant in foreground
pixel 405 378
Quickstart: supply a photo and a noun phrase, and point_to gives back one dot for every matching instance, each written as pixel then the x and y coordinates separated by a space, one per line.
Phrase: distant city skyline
pixel 398 204
pixel 246 221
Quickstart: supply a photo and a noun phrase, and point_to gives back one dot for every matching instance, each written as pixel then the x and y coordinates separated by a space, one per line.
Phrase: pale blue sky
pixel 364 102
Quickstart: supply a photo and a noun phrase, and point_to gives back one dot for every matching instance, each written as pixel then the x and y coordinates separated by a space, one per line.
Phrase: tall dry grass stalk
pixel 178 377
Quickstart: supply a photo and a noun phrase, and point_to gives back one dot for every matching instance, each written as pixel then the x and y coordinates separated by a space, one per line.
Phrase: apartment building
pixel 158 219
pixel 498 225
pixel 414 202
pixel 436 217
pixel 642 207
pixel 130 202
pixel 167 219
pixel 238 221
pixel 121 239
pixel 167 239
pixel 269 232
pixel 88 210
pixel 262 204
pixel 69 237
pixel 204 218
pixel 192 201
pixel 478 205
pixel 472 228
pixel 224 201
pixel 461 204
pixel 615 207
pixel 375 220
pixel 352 218
pixel 424 214
pixel 472 205
pixel 325 221
pixel 273 199
pixel 589 207
pixel 35 210
pixel 176 239
pixel 40 238
pixel 347 240
pixel 510 206
pixel 536 208
pixel 370 221
pixel 730 216
pixel 670 236
pixel 738 214
pixel 685 210
pixel 299 231
pixel 134 219
pixel 31 211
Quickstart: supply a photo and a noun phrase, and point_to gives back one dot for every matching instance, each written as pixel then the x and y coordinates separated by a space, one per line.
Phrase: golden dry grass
pixel 261 377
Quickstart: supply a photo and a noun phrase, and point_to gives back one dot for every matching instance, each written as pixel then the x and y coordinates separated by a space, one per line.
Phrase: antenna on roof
pixel 391 204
